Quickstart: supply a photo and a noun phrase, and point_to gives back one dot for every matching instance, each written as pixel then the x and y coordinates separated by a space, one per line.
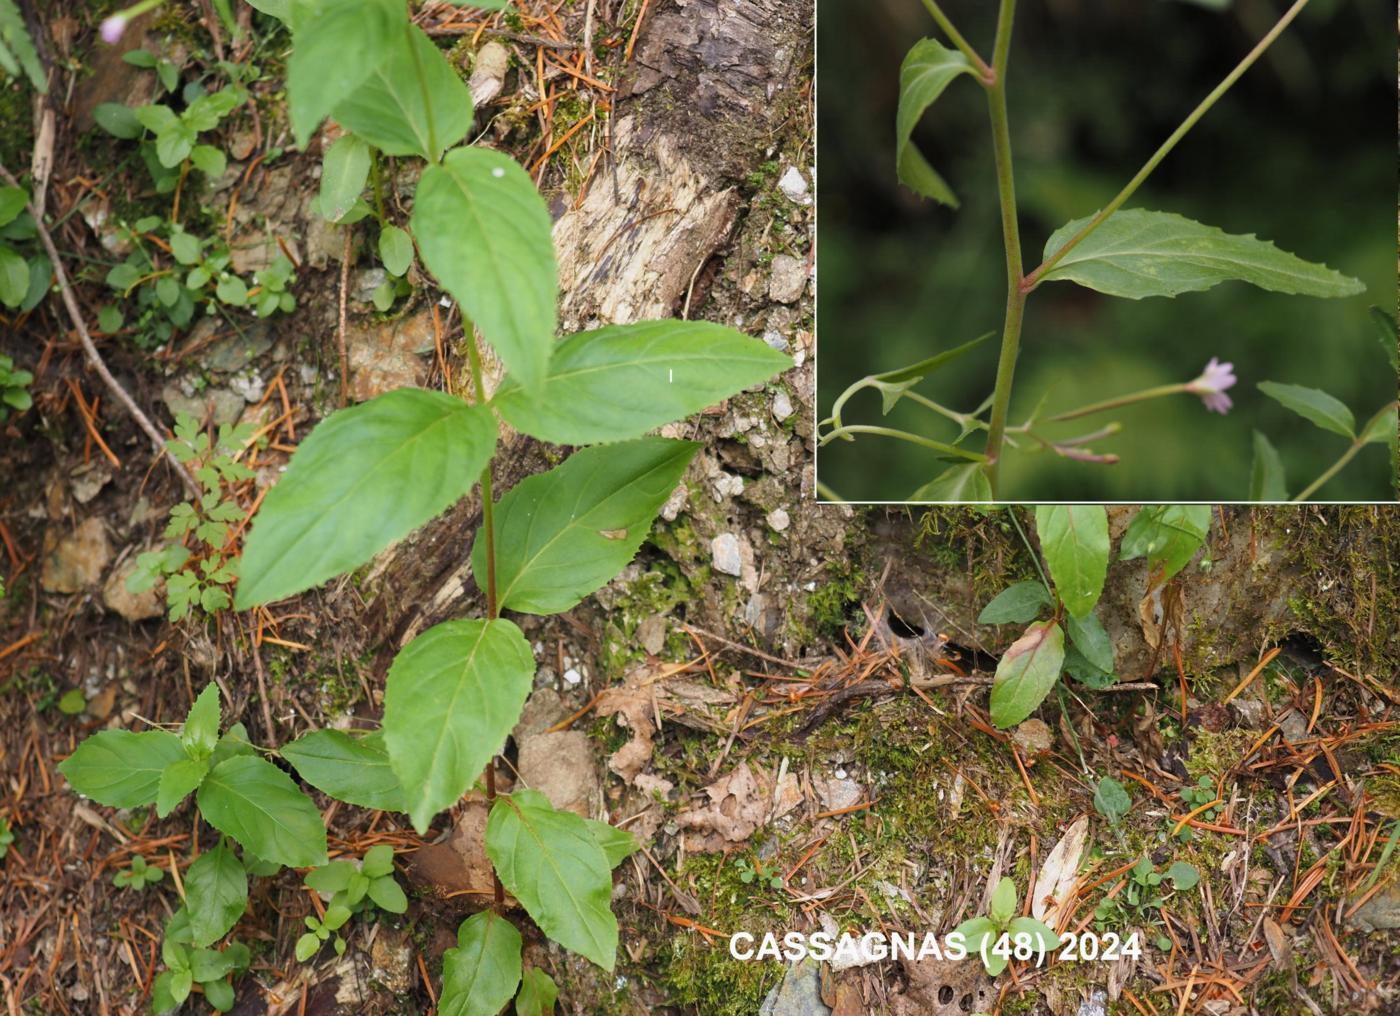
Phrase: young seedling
pixel 350 888
pixel 756 871
pixel 139 875
pixel 187 965
pixel 1001 936
pixel 321 931
pixel 1142 897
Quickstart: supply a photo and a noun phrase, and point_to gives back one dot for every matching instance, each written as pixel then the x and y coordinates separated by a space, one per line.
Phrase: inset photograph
pixel 1106 251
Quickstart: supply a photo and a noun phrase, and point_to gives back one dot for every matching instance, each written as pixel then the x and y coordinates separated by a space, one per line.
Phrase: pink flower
pixel 112 29
pixel 1211 385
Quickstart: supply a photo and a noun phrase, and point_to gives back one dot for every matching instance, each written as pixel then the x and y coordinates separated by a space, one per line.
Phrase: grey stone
pixel 77 561
pixel 787 278
pixel 561 765
pixel 724 554
pixel 132 606
pixel 225 406
pixel 799 993
pixel 782 405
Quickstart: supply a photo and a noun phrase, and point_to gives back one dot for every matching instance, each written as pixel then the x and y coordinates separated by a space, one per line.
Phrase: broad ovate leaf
pixel 365 477
pixel 120 768
pixel 1167 535
pixel 1074 540
pixel 550 861
pixel 1314 405
pixel 344 172
pixel 480 975
pixel 562 534
pixel 1002 905
pixel 967 483
pixel 216 894
pixel 412 103
pixel 453 695
pixel 668 370
pixel 927 70
pixel 1087 634
pixel 1026 673
pixel 1266 476
pixel 1138 253
pixel 256 803
pixel 333 52
pixel 1018 603
pixel 538 993
pixel 484 231
pixel 351 769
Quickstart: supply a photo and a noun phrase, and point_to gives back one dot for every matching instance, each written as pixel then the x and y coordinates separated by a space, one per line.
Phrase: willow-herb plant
pixel 1074 543
pixel 1127 252
pixel 368 475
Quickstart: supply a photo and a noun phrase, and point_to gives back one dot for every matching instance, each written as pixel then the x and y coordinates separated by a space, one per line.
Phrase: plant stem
pixel 986 73
pixel 1210 100
pixel 1122 400
pixel 1011 239
pixel 902 435
pixel 487 522
pixel 1347 456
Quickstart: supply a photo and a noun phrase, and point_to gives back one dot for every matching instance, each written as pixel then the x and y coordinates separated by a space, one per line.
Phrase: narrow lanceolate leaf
pixel 484 231
pixel 956 484
pixel 402 114
pixel 1137 253
pixel 1016 604
pixel 257 804
pixel 344 172
pixel 350 769
pixel 120 768
pixel 667 370
pixel 365 477
pixel 562 534
pixel 452 697
pixel 551 863
pixel 216 893
pixel 333 53
pixel 1266 477
pixel 480 975
pixel 1326 411
pixel 927 70
pixel 1074 540
pixel 1026 673
pixel 1088 635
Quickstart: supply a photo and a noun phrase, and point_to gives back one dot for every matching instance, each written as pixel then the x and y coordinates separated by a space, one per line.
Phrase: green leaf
pixel 234 742
pixel 174 144
pixel 201 730
pixel 208 160
pixel 1382 427
pixel 452 697
pixel 974 932
pixel 344 171
pixel 564 533
pixel 185 247
pixel 73 701
pixel 413 103
pixel 334 53
pixel 966 483
pixel 387 895
pixel 307 946
pixel 1026 673
pixel 1313 405
pixel 1137 253
pixel 1087 635
pixel 219 994
pixel 484 231
pixel 395 250
pixel 1002 906
pixel 1077 667
pixel 1266 478
pixel 551 863
pixel 365 477
pixel 668 370
pixel 1111 799
pixel 894 383
pixel 279 9
pixel 1042 936
pixel 14 277
pixel 350 769
pixel 118 120
pixel 927 70
pixel 12 202
pixel 1017 603
pixel 258 805
pixel 1167 535
pixel 1074 540
pixel 1183 875
pixel 330 878
pixel 479 976
pixel 177 781
pixel 618 844
pixel 216 894
pixel 378 861
pixel 232 290
pixel 119 768
pixel 538 993
pixel 1386 334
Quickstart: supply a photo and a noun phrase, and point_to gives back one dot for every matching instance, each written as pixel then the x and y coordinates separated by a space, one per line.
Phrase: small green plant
pixel 1001 936
pixel 749 873
pixel 199 564
pixel 1142 897
pixel 7 837
pixel 24 273
pixel 1111 800
pixel 14 387
pixel 351 888
pixel 1201 794
pixel 187 964
pixel 139 875
pixel 1075 545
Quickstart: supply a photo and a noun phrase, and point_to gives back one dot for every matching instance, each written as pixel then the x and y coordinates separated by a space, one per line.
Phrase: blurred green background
pixel 1300 152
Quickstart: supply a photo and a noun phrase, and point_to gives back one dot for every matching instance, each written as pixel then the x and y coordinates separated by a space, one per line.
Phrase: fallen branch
pixel 90 348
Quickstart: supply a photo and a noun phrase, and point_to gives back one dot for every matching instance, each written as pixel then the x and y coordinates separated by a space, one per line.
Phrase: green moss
pixel 832 605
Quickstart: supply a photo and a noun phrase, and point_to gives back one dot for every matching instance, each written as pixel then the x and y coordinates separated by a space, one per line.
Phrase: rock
pixel 837 792
pixel 86 481
pixel 778 520
pixel 1094 1005
pixel 543 709
pixel 724 554
pixel 132 606
pixel 1381 912
pixel 391 953
pixel 488 73
pixel 77 561
pixel 799 993
pixel 387 356
pixel 651 633
pixel 1033 737
pixel 365 281
pixel 561 765
pixel 233 352
pixel 787 278
pixel 794 186
pixel 782 405
pixel 224 406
